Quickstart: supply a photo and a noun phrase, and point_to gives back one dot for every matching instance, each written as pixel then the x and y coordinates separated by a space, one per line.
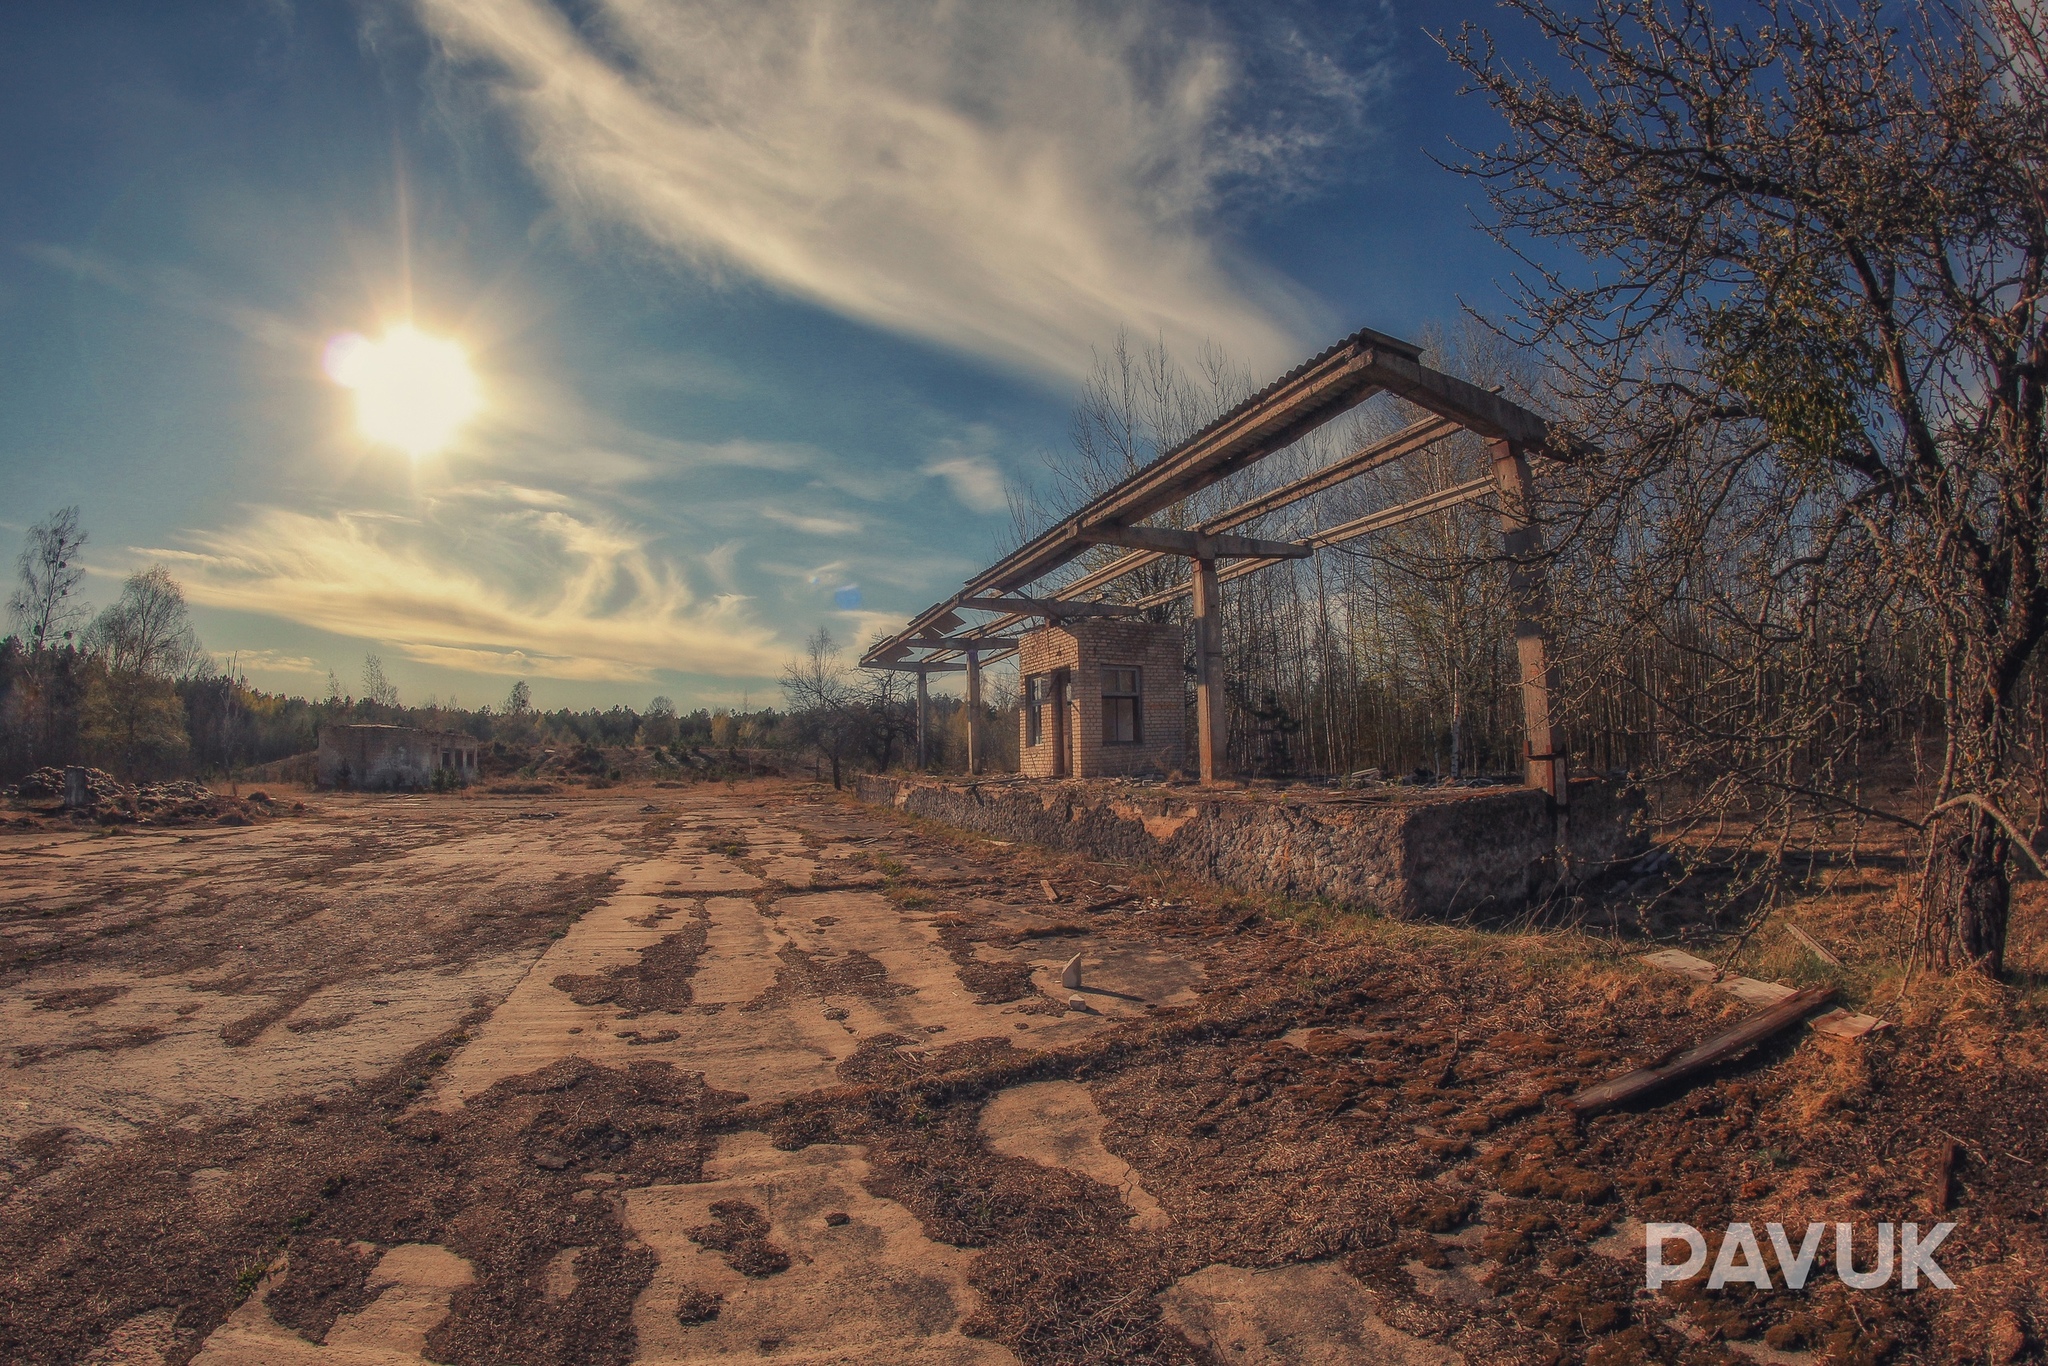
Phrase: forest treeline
pixel 131 689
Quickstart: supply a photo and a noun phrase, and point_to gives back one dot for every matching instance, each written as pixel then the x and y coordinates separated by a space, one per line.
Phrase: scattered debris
pixel 1838 1023
pixel 1941 1192
pixel 698 1306
pixel 1716 1049
pixel 96 795
pixel 740 1231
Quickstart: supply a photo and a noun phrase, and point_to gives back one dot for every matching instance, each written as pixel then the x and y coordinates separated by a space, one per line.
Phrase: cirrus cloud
pixel 974 479
pixel 1015 181
pixel 489 580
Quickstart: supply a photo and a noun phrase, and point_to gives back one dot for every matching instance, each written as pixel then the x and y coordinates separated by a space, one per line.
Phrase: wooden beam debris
pixel 1942 1189
pixel 1716 1049
pixel 1819 950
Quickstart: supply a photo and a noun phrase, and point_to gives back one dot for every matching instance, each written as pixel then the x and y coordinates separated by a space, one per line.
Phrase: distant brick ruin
pixel 392 758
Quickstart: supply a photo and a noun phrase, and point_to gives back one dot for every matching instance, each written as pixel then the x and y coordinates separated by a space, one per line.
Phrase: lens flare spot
pixel 413 392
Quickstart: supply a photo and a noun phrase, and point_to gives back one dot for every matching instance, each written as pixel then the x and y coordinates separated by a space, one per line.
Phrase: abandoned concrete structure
pixel 1316 392
pixel 388 758
pixel 1101 699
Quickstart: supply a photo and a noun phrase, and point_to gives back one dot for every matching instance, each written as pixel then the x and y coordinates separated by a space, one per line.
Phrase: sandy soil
pixel 746 1073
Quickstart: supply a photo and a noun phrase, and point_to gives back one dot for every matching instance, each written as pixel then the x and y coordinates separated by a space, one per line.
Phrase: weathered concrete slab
pixel 1310 1314
pixel 413 1285
pixel 1057 1124
pixel 861 1284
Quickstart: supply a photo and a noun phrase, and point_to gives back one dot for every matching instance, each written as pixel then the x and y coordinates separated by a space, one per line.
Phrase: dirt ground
pixel 748 1073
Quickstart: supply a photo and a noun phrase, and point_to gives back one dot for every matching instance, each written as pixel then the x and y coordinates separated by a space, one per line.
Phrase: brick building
pixel 385 758
pixel 1101 698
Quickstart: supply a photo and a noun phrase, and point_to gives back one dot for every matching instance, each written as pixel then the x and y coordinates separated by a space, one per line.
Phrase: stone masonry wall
pixel 1429 854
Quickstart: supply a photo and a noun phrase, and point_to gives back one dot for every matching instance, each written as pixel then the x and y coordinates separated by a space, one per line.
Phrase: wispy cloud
pixel 812 526
pixel 974 479
pixel 267 661
pixel 486 580
pixel 1013 180
pixel 178 289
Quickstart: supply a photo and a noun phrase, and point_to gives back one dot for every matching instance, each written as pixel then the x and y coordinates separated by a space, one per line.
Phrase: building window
pixel 1038 692
pixel 1120 696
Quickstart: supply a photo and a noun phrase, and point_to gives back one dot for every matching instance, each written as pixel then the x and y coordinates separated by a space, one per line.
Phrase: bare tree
pixel 1821 245
pixel 889 713
pixel 376 687
pixel 42 605
pixel 38 705
pixel 143 643
pixel 824 706
pixel 148 630
pixel 659 726
pixel 1139 402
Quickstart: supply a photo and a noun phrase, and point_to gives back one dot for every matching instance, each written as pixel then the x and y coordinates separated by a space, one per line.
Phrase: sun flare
pixel 412 391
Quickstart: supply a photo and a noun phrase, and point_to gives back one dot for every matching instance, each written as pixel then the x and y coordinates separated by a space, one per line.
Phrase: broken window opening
pixel 1120 696
pixel 1038 695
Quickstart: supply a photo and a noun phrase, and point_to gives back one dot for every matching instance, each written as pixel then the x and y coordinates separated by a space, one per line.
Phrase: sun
pixel 412 391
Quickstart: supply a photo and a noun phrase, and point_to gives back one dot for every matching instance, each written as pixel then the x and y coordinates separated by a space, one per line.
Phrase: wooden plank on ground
pixel 1718 1048
pixel 1836 1023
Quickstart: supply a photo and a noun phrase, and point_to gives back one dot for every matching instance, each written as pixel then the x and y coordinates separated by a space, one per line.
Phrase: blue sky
pixel 766 301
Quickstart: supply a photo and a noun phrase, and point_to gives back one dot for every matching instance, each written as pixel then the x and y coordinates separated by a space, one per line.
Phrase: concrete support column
pixel 973 712
pixel 1210 734
pixel 1529 595
pixel 924 720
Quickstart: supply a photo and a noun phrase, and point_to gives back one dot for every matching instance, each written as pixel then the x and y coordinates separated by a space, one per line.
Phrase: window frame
pixel 1112 703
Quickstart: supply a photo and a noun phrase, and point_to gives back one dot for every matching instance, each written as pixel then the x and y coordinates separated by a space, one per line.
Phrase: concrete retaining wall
pixel 1405 852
